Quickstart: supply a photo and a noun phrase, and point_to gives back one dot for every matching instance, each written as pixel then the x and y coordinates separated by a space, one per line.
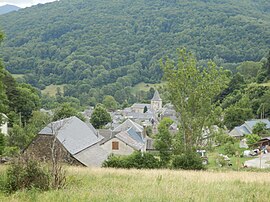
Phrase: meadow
pixel 102 184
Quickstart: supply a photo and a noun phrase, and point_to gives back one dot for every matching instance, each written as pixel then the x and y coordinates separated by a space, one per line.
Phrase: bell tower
pixel 156 102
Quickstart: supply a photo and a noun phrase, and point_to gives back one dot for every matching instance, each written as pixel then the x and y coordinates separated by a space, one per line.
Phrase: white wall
pixel 124 149
pixel 4 128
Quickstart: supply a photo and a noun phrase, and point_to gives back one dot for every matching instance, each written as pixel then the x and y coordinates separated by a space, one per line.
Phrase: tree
pixel 192 90
pixel 260 129
pixel 66 111
pixel 21 136
pixel 238 113
pixel 100 117
pixel 145 109
pixel 163 140
pixel 109 102
pixel 3 96
pixel 249 69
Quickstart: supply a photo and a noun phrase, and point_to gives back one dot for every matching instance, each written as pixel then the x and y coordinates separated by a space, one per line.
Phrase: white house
pixel 4 126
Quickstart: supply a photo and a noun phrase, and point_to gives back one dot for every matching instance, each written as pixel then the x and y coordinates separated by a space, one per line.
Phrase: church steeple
pixel 156 101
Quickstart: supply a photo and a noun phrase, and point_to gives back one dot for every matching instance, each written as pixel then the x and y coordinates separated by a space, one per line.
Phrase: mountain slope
pixel 8 8
pixel 94 43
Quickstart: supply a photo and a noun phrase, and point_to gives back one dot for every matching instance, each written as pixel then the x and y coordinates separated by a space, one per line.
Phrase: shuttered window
pixel 115 145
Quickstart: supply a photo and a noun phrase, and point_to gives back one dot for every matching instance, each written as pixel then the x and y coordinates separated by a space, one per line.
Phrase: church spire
pixel 156 96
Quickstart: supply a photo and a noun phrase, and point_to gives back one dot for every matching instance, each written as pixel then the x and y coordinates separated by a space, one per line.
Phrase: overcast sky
pixel 23 3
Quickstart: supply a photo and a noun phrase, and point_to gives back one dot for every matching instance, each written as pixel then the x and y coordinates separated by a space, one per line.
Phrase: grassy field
pixel 89 184
pixel 16 76
pixel 145 87
pixel 52 89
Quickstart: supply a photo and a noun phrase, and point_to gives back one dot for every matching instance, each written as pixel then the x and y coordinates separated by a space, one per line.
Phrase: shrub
pixel 114 162
pixel 189 160
pixel 136 160
pixel 26 174
pixel 229 149
pixel 252 139
pixel 222 138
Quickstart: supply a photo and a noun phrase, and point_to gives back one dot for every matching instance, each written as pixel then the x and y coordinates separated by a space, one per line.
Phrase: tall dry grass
pixel 96 184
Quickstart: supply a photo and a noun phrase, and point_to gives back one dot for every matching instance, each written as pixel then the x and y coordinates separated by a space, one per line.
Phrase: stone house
pixel 76 142
pixel 124 143
pixel 126 138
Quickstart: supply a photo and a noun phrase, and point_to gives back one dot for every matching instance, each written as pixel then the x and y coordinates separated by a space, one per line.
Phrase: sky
pixel 23 3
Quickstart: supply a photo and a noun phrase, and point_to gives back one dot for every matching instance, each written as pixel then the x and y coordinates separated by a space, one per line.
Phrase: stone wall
pixel 41 149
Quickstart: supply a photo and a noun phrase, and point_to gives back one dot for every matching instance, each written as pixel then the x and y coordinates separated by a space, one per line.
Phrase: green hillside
pixel 101 47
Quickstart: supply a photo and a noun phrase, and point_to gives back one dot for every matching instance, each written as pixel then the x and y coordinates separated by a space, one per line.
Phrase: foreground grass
pixel 89 184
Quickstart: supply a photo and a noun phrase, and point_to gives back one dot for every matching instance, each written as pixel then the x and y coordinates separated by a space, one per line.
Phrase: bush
pixel 222 138
pixel 229 149
pixel 136 160
pixel 26 174
pixel 252 139
pixel 189 160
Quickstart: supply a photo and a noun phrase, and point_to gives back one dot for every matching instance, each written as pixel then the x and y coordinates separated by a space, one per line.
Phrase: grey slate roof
pixel 92 156
pixel 129 124
pixel 106 133
pixel 125 137
pixel 132 133
pixel 250 124
pixel 247 127
pixel 141 105
pixel 74 134
pixel 156 96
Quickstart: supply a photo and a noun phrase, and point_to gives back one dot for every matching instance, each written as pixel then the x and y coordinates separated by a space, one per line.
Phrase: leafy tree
pixel 3 97
pixel 145 109
pixel 260 129
pixel 238 113
pixel 100 117
pixel 2 143
pixel 66 111
pixel 20 136
pixel 252 139
pixel 264 105
pixel 192 90
pixel 249 69
pixel 109 102
pixel 163 141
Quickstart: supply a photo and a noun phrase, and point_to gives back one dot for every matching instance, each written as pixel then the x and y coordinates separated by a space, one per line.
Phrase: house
pixel 4 125
pixel 129 124
pixel 125 143
pixel 75 142
pixel 126 138
pixel 247 127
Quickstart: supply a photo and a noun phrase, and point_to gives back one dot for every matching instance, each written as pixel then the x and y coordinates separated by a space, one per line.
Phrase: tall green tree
pixel 100 117
pixel 163 140
pixel 3 96
pixel 238 113
pixel 65 110
pixel 109 102
pixel 192 90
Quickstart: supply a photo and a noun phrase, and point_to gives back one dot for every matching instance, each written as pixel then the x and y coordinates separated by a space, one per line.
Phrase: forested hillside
pixel 102 47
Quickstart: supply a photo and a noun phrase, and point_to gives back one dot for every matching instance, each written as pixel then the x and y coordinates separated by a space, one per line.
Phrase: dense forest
pixel 99 48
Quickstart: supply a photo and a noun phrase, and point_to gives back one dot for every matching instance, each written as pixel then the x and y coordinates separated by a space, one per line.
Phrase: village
pixel 132 129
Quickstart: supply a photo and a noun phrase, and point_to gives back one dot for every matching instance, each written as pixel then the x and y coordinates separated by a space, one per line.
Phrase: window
pixel 115 145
